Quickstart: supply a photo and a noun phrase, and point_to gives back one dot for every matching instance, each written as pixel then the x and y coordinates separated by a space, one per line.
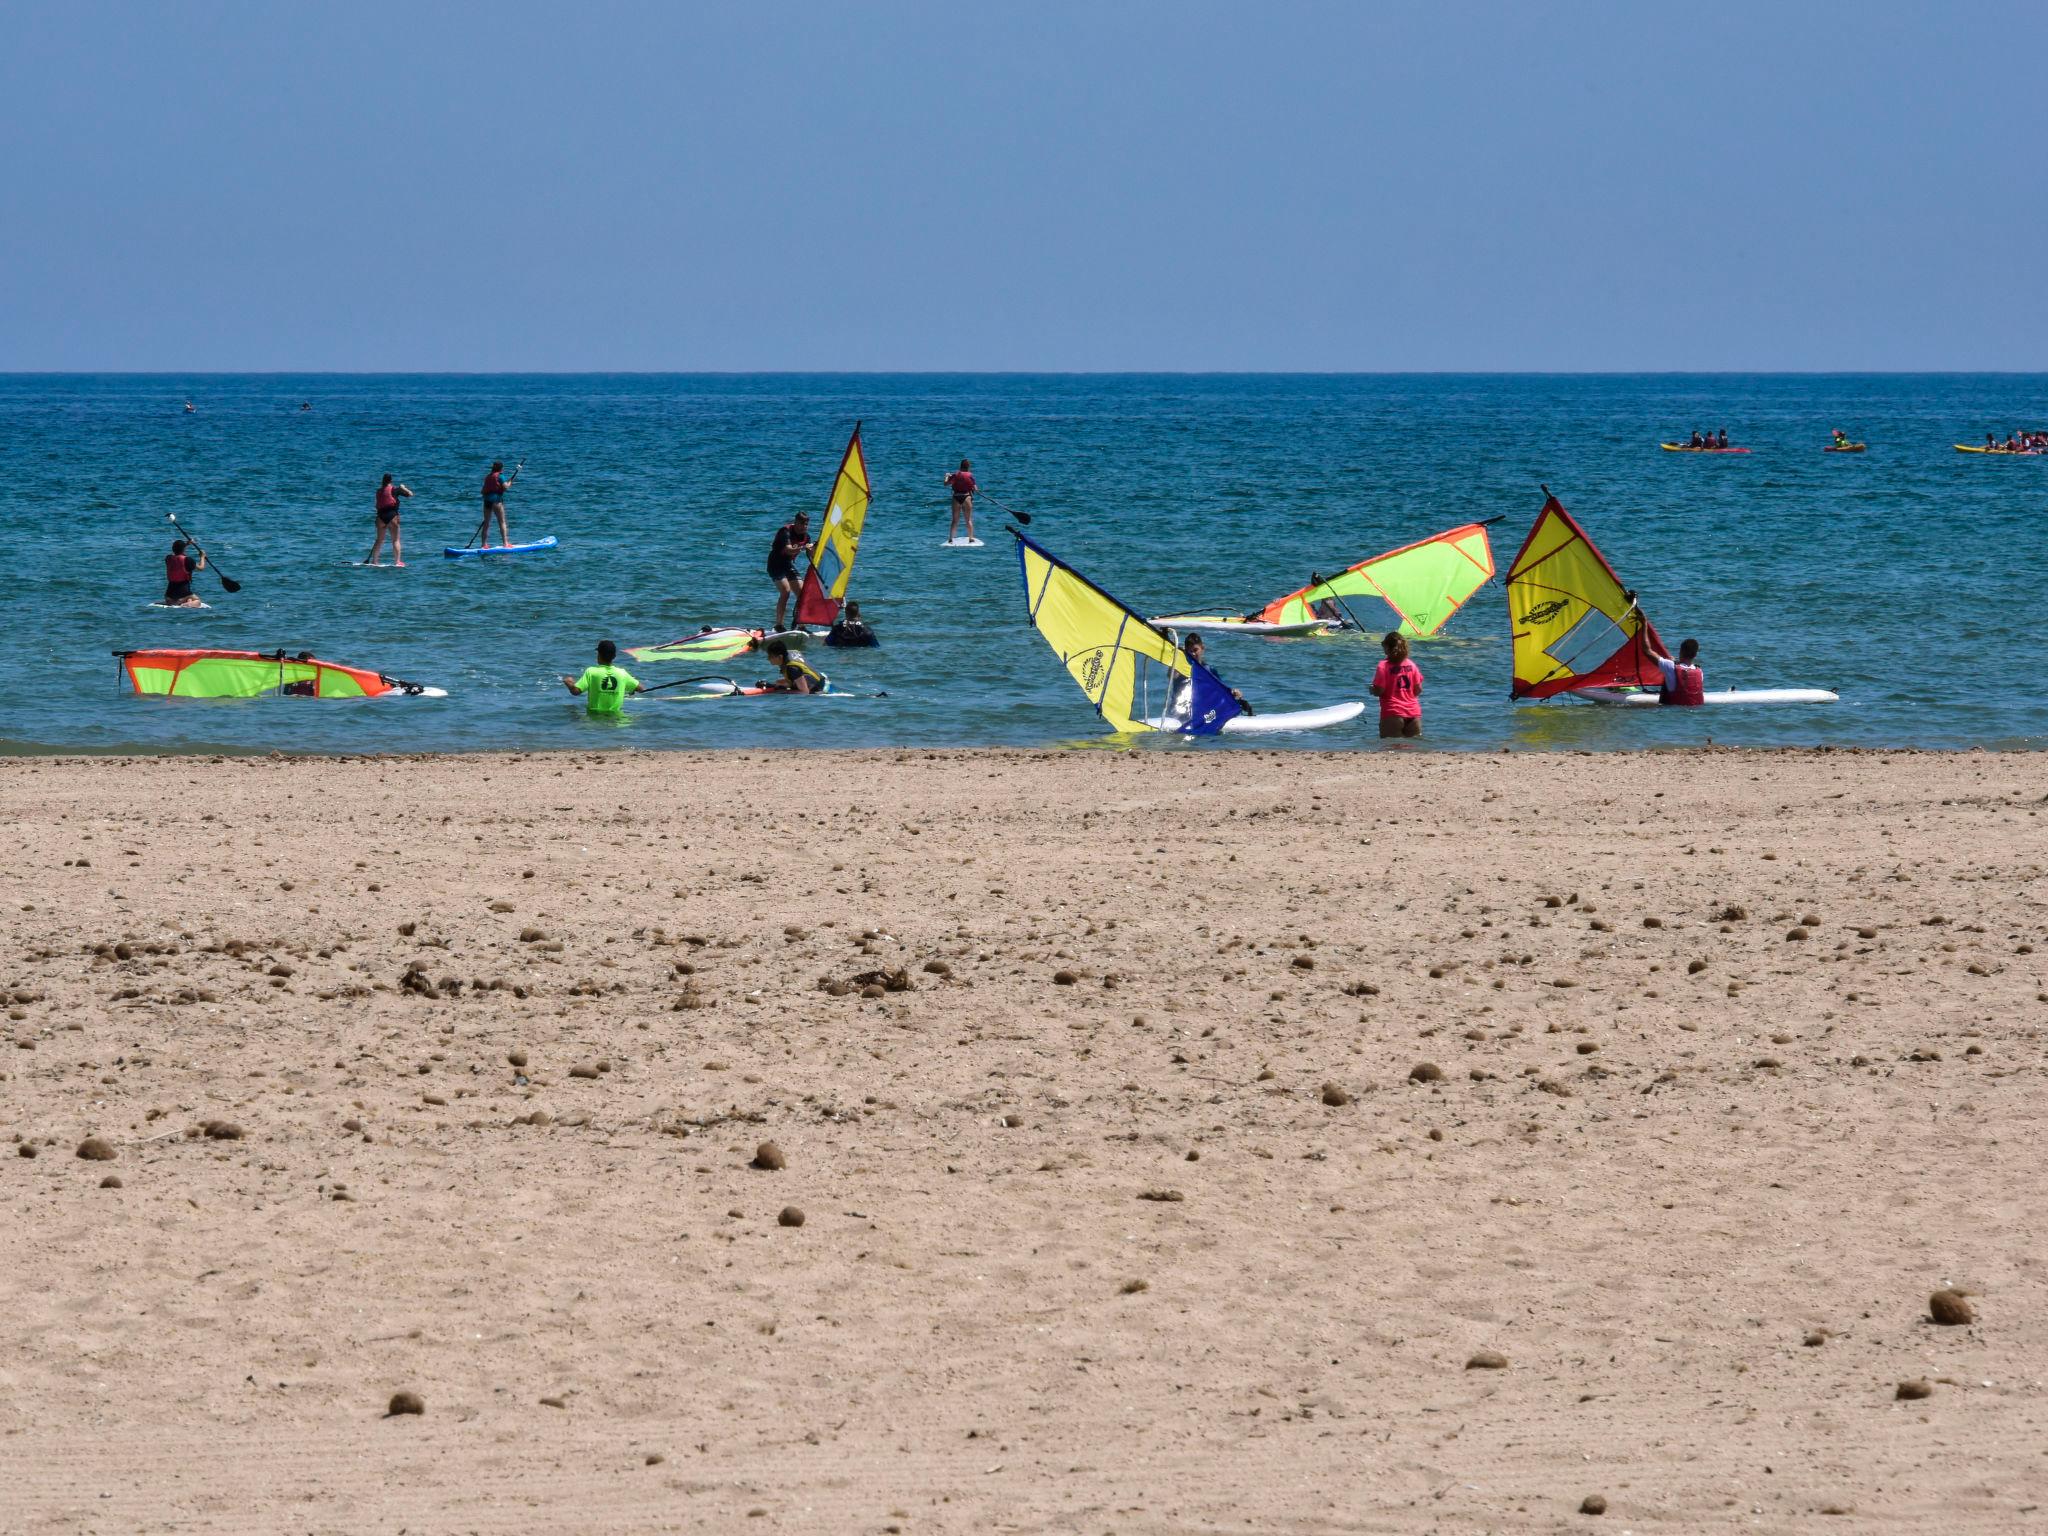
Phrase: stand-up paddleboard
pixel 1688 448
pixel 182 607
pixel 1225 624
pixel 537 547
pixel 1639 698
pixel 961 544
pixel 1268 725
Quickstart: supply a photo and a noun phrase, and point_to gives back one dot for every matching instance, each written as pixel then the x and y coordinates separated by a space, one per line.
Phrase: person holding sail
pixel 1685 681
pixel 1196 650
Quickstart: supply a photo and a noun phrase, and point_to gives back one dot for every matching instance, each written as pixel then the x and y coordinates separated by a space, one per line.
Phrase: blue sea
pixel 1908 577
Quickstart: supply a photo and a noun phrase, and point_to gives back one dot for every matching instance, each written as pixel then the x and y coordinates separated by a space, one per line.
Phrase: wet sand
pixel 1171 1133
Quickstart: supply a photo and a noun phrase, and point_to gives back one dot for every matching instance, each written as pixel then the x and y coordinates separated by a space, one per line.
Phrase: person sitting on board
pixel 1841 438
pixel 961 483
pixel 1697 440
pixel 387 521
pixel 1197 651
pixel 791 539
pixel 794 675
pixel 1723 443
pixel 604 687
pixel 849 629
pixel 495 486
pixel 179 569
pixel 1397 684
pixel 1684 681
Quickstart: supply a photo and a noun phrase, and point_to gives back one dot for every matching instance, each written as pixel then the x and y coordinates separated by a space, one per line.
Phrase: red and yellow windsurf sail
pixel 248 675
pixel 824 584
pixel 1424 582
pixel 1574 624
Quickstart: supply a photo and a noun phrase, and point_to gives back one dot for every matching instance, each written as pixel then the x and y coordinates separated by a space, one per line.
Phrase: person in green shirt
pixel 604 687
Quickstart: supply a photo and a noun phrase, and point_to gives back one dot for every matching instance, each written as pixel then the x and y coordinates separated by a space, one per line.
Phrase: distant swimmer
pixel 850 630
pixel 495 486
pixel 793 674
pixel 305 405
pixel 179 569
pixel 1397 684
pixel 961 484
pixel 190 408
pixel 791 539
pixel 387 521
pixel 1196 649
pixel 1684 681
pixel 604 687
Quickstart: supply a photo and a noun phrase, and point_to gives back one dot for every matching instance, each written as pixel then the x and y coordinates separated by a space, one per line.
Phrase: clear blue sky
pixel 1022 186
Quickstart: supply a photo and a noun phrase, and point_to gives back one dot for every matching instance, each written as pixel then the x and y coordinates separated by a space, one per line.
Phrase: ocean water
pixel 1908 577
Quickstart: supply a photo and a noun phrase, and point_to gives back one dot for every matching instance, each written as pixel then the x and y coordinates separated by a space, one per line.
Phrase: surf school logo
pixel 1543 611
pixel 1091 671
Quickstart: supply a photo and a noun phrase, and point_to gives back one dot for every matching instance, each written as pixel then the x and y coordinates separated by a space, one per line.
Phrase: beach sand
pixel 1740 1059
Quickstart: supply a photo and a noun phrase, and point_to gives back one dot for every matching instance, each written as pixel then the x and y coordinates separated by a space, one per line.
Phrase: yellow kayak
pixel 2017 453
pixel 1688 448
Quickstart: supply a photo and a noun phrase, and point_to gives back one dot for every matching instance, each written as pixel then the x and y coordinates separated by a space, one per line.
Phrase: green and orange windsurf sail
pixel 818 600
pixel 207 674
pixel 1424 582
pixel 1574 624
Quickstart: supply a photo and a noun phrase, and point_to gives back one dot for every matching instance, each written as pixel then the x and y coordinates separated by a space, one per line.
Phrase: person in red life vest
pixel 387 521
pixel 1397 684
pixel 793 538
pixel 961 483
pixel 1684 682
pixel 495 487
pixel 179 569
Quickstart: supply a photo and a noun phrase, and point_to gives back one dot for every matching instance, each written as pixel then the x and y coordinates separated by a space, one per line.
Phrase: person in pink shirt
pixel 1397 684
pixel 961 484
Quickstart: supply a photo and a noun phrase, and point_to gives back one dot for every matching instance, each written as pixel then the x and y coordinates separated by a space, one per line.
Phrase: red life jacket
pixel 1691 687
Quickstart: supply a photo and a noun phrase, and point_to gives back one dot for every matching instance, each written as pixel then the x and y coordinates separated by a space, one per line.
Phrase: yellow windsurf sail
pixel 1424 582
pixel 1137 679
pixel 1575 625
pixel 824 587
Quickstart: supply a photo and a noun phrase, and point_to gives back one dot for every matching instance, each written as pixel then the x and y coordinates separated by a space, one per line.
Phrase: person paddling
pixel 1697 440
pixel 794 675
pixel 604 687
pixel 961 483
pixel 850 629
pixel 495 487
pixel 1397 684
pixel 791 539
pixel 1723 443
pixel 179 569
pixel 387 521
pixel 1684 681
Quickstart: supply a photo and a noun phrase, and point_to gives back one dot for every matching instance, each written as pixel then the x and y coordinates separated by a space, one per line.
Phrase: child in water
pixel 1397 684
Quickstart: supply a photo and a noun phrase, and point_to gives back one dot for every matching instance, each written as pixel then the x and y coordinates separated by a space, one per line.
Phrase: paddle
pixel 485 523
pixel 228 583
pixel 1022 517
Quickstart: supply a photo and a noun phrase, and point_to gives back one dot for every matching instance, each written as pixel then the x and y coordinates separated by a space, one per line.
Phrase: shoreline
pixel 1099 1080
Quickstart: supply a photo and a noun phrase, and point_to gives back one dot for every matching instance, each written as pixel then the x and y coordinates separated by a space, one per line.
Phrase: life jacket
pixel 387 498
pixel 795 666
pixel 1690 687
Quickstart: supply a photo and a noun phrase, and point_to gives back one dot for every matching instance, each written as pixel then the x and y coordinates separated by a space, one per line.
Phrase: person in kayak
pixel 850 630
pixel 961 484
pixel 1685 683
pixel 1397 684
pixel 791 539
pixel 604 687
pixel 387 521
pixel 495 487
pixel 1697 440
pixel 1196 649
pixel 179 569
pixel 1723 443
pixel 1841 438
pixel 794 675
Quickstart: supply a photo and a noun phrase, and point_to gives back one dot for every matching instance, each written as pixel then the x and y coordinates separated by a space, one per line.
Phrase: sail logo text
pixel 1542 611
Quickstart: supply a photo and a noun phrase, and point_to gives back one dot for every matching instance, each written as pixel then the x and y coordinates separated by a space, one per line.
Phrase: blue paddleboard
pixel 538 546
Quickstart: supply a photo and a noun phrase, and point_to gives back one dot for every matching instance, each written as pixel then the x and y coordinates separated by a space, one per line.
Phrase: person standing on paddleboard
pixel 179 569
pixel 604 687
pixel 1685 682
pixel 1397 684
pixel 961 484
pixel 387 521
pixel 791 539
pixel 495 486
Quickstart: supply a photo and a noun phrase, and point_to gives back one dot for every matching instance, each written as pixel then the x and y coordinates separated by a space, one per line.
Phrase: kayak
pixel 1267 725
pixel 2011 453
pixel 1224 624
pixel 537 547
pixel 1635 698
pixel 1845 448
pixel 717 643
pixel 1688 448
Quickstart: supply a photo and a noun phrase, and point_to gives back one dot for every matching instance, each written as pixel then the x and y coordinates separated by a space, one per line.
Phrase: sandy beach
pixel 1181 1141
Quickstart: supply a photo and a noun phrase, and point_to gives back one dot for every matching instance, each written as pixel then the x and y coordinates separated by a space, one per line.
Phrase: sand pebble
pixel 404 1402
pixel 1334 1095
pixel 583 1072
pixel 937 968
pixel 516 1058
pixel 1487 1360
pixel 1064 978
pixel 1171 1196
pixel 111 1181
pixel 1133 1287
pixel 95 1150
pixel 1913 1390
pixel 1592 1504
pixel 789 1216
pixel 769 1156
pixel 1425 1072
pixel 26 1149
pixel 222 1130
pixel 1951 1308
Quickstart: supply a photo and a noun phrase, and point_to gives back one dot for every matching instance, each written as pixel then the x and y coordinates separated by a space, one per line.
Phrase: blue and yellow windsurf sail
pixel 824 584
